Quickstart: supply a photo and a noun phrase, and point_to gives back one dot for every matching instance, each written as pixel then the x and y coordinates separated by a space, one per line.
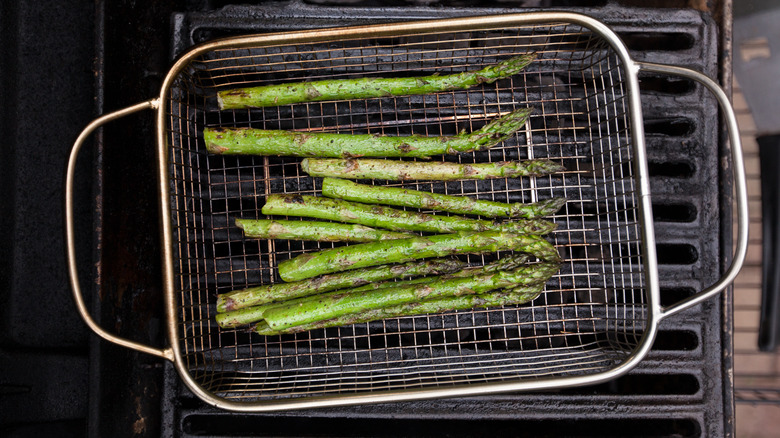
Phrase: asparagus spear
pixel 335 304
pixel 246 315
pixel 352 191
pixel 402 250
pixel 317 231
pixel 509 263
pixel 366 88
pixel 284 291
pixel 432 170
pixel 520 295
pixel 390 218
pixel 248 141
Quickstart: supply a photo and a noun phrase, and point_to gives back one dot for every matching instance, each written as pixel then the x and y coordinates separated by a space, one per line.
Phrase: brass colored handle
pixel 70 238
pixel 740 186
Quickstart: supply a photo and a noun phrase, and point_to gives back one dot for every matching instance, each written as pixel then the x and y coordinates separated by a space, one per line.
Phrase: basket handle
pixel 740 187
pixel 69 234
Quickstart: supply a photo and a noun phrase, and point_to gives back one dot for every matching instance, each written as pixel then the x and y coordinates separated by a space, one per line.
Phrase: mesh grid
pixel 592 313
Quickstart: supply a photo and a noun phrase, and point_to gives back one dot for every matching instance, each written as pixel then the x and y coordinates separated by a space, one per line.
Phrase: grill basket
pixel 597 316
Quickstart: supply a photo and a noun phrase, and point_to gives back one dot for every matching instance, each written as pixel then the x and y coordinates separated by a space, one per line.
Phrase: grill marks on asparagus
pixel 366 88
pixel 249 141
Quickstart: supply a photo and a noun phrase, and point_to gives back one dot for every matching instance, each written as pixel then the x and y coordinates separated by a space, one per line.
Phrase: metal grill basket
pixel 596 318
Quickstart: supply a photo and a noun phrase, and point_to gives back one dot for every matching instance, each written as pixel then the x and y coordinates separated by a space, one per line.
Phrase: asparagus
pixel 246 315
pixel 310 230
pixel 520 295
pixel 284 291
pixel 402 250
pixel 366 88
pixel 434 170
pixel 385 217
pixel 505 264
pixel 352 191
pixel 249 141
pixel 335 304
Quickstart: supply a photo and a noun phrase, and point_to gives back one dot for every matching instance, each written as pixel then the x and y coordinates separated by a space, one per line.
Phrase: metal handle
pixel 740 186
pixel 69 235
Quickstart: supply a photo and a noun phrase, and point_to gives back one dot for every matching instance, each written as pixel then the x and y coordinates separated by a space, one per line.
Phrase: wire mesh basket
pixel 596 317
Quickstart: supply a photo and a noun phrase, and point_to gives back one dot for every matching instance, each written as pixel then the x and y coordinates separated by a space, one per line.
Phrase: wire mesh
pixel 592 312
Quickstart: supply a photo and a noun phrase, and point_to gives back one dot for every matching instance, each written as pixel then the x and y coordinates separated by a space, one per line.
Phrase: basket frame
pixel 451 25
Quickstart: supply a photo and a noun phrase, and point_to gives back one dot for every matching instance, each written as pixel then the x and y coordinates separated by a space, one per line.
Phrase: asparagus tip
pixel 511 66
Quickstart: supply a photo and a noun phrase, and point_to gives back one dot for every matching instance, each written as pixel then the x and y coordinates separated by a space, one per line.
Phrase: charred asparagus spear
pixel 510 263
pixel 505 297
pixel 366 88
pixel 339 303
pixel 254 296
pixel 246 315
pixel 435 171
pixel 352 191
pixel 402 250
pixel 249 141
pixel 390 218
pixel 316 231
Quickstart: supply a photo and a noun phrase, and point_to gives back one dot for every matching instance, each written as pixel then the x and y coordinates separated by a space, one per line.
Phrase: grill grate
pixel 591 315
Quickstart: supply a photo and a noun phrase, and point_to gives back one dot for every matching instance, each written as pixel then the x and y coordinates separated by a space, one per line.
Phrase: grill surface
pixel 676 390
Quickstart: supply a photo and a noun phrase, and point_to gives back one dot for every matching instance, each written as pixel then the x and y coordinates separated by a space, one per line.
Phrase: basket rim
pixel 646 233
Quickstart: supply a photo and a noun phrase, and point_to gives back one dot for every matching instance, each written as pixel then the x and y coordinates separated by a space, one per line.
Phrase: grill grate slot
pixel 226 425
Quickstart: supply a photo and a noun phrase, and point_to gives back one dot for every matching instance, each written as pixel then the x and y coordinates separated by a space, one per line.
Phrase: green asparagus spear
pixel 432 170
pixel 335 304
pixel 311 230
pixel 385 217
pixel 248 141
pixel 402 250
pixel 505 297
pixel 509 263
pixel 285 291
pixel 352 191
pixel 366 88
pixel 247 315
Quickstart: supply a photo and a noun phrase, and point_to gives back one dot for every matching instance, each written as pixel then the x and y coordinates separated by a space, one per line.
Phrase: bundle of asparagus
pixel 389 271
pixel 506 281
pixel 359 283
